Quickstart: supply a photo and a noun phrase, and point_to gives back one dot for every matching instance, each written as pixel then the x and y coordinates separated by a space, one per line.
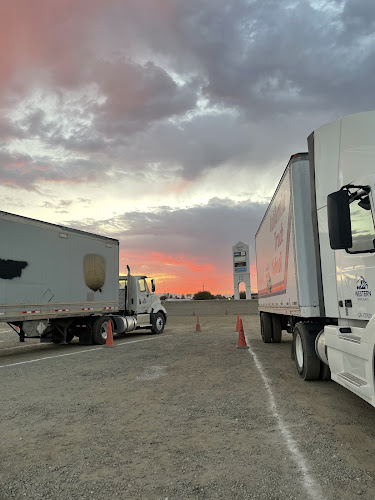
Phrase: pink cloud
pixel 182 261
pixel 182 274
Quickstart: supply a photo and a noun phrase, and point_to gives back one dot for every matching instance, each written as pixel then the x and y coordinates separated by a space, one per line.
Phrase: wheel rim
pixel 104 330
pixel 299 351
pixel 159 323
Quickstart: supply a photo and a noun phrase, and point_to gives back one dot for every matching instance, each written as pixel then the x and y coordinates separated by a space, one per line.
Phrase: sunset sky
pixel 168 123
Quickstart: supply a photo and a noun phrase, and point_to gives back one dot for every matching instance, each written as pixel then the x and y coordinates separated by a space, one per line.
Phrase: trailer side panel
pixel 284 268
pixel 49 271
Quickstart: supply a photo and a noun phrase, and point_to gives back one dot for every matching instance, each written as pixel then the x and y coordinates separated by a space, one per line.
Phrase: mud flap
pixel 85 336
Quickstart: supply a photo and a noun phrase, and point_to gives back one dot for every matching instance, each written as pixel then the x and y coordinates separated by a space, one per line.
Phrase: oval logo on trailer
pixel 94 268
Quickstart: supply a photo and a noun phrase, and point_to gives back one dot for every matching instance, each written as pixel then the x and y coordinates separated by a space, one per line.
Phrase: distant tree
pixel 220 297
pixel 163 297
pixel 182 296
pixel 242 295
pixel 205 295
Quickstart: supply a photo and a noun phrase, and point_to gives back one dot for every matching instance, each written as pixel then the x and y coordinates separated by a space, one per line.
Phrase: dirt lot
pixel 182 415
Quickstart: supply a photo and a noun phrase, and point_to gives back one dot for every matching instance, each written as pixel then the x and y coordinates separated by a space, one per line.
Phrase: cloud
pixel 176 89
pixel 136 95
pixel 194 242
pixel 146 106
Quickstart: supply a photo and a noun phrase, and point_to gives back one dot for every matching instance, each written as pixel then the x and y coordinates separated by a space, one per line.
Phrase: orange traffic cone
pixel 241 338
pixel 198 327
pixel 109 341
pixel 238 323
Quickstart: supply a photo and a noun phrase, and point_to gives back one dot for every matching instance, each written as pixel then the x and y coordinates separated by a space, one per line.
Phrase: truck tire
pixel 325 372
pixel 266 327
pixel 276 328
pixel 158 323
pixel 307 362
pixel 99 330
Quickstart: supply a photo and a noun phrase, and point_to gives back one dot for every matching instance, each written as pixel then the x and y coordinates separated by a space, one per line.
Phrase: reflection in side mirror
pixel 339 224
pixel 153 288
pixel 365 203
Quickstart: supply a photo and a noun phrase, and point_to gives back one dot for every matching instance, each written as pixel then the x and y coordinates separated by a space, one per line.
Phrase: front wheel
pixel 158 323
pixel 325 372
pixel 307 362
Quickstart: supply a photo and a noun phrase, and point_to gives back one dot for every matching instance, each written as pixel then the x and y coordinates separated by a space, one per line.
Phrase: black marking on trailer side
pixel 10 269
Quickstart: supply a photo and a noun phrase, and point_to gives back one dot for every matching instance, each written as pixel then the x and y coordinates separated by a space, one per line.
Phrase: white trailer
pixel 315 251
pixel 57 282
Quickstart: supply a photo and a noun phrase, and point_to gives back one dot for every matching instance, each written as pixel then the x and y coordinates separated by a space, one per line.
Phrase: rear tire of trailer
pixel 276 328
pixel 266 327
pixel 99 330
pixel 158 323
pixel 307 362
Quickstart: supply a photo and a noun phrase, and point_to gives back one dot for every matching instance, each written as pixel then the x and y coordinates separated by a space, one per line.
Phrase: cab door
pixel 122 293
pixel 144 296
pixel 355 267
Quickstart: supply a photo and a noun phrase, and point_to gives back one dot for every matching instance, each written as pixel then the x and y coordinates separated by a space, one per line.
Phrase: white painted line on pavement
pixel 311 487
pixel 81 352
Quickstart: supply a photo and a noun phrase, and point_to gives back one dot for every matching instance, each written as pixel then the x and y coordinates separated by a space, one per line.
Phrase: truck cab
pixel 138 305
pixel 135 296
pixel 323 291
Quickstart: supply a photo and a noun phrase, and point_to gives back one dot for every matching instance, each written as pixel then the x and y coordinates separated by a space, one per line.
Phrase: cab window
pixel 122 284
pixel 142 285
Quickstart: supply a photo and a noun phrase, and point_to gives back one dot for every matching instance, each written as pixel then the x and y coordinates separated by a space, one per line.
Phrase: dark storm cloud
pixel 22 171
pixel 285 68
pixel 137 95
pixel 194 146
pixel 359 18
pixel 273 70
pixel 270 58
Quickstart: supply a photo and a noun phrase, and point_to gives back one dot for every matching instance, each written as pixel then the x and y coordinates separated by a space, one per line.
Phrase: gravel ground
pixel 182 415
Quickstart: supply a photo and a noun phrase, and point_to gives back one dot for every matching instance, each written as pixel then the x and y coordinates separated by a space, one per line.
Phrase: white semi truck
pixel 57 282
pixel 315 252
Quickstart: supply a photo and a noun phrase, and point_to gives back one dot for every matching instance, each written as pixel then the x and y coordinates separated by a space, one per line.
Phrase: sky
pixel 167 124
